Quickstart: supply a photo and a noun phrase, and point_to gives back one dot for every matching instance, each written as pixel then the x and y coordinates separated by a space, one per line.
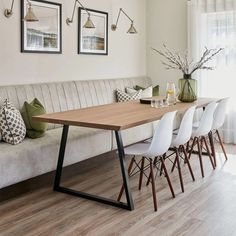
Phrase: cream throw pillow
pixel 146 93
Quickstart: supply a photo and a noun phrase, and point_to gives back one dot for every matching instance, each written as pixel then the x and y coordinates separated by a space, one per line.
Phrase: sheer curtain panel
pixel 212 24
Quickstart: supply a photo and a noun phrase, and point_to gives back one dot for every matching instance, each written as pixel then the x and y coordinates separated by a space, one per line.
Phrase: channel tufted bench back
pixel 62 96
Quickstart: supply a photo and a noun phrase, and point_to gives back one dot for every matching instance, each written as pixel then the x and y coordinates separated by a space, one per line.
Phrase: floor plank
pixel 207 207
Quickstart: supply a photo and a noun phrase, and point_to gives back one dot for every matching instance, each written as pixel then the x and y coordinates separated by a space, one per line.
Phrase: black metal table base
pixel 93 197
pixel 128 206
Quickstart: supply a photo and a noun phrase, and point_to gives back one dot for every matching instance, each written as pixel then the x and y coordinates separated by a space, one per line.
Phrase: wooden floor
pixel 208 206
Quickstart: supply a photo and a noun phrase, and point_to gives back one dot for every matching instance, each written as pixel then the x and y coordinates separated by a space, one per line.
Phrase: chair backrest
pixel 185 129
pixel 220 113
pixel 162 136
pixel 206 121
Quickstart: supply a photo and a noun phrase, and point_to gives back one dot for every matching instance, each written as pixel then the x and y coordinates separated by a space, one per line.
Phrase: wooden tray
pixel 145 100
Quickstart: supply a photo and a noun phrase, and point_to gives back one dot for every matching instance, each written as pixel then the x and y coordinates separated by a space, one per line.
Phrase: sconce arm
pixel 121 10
pixel 70 20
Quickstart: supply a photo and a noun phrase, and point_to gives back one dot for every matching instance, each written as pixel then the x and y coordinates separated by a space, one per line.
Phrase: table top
pixel 117 116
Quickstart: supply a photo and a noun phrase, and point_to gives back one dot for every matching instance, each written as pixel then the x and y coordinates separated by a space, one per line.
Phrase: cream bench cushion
pixel 35 157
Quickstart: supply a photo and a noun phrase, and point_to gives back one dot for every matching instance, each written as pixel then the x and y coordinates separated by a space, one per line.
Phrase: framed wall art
pixel 44 35
pixel 93 40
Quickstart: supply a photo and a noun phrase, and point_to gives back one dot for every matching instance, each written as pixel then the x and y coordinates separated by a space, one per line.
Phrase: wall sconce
pixel 30 16
pixel 131 30
pixel 8 12
pixel 88 24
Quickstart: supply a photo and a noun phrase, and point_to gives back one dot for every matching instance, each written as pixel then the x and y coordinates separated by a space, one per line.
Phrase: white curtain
pixel 212 24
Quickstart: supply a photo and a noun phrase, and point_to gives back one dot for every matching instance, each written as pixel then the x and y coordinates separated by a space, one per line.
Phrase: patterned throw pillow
pixel 12 125
pixel 0 128
pixel 145 93
pixel 125 97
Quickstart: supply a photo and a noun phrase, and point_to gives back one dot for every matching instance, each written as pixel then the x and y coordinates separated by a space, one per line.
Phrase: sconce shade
pixel 30 16
pixel 132 30
pixel 89 24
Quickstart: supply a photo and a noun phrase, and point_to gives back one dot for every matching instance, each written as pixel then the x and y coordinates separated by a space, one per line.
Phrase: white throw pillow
pixel 146 93
pixel 12 125
pixel 125 97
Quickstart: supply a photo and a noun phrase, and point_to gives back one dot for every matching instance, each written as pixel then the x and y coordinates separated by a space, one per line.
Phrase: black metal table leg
pixel 58 188
pixel 61 157
pixel 124 170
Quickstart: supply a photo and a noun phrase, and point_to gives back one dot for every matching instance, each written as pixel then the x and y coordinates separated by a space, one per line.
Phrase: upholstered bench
pixel 34 157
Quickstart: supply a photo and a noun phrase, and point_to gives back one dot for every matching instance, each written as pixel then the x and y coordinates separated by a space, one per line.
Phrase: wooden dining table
pixel 114 117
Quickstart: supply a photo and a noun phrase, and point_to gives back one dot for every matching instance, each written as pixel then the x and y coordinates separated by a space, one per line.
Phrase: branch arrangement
pixel 176 61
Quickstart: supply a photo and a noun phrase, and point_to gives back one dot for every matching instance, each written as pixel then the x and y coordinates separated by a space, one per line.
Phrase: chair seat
pixel 175 133
pixel 138 149
pixel 196 134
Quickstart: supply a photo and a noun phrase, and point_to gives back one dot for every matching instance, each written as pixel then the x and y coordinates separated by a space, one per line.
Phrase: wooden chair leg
pixel 129 171
pixel 153 186
pixel 179 169
pixel 188 163
pixel 167 177
pixel 200 156
pixel 141 173
pixel 191 149
pixel 164 157
pixel 208 151
pixel 149 177
pixel 174 164
pixel 149 180
pixel 221 144
pixel 211 139
pixel 161 170
pixel 187 147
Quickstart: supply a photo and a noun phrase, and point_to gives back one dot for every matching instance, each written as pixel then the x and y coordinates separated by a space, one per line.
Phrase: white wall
pixel 127 53
pixel 166 23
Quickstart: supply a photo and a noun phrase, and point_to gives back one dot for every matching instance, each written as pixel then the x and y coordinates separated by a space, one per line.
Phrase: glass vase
pixel 187 89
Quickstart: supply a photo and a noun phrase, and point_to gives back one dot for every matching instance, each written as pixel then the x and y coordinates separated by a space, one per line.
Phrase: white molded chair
pixel 200 134
pixel 219 119
pixel 182 138
pixel 148 151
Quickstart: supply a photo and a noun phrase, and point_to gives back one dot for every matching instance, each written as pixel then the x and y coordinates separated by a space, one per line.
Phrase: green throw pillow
pixel 155 90
pixel 34 129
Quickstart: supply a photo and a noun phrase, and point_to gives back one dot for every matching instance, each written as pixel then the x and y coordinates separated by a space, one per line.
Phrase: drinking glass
pixel 161 103
pixel 153 102
pixel 157 104
pixel 165 104
pixel 170 93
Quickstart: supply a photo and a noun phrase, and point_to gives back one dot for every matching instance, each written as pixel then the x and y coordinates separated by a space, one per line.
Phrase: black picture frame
pixel 98 45
pixel 38 37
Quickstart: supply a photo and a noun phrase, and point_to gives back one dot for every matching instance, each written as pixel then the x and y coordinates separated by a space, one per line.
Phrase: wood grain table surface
pixel 117 116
